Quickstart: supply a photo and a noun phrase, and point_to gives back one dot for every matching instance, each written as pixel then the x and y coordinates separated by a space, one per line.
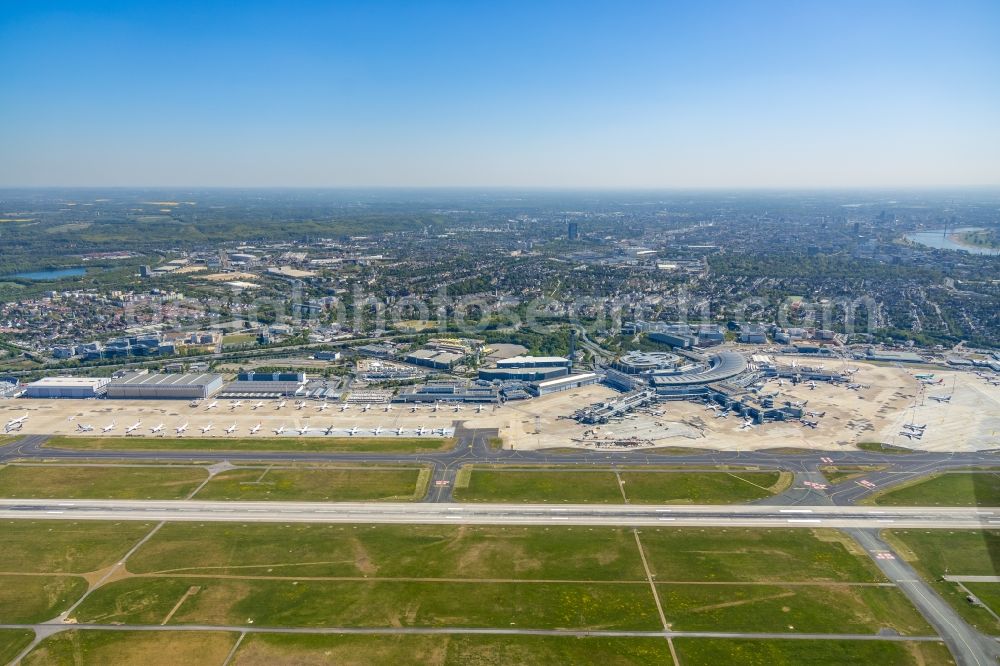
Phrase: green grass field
pixel 150 648
pixel 935 553
pixel 450 650
pixel 479 484
pixel 111 482
pixel 318 485
pixel 31 599
pixel 788 609
pixel 301 444
pixel 324 603
pixel 947 489
pixel 756 555
pixel 837 474
pixel 12 641
pixel 58 546
pixel 719 652
pixel 392 551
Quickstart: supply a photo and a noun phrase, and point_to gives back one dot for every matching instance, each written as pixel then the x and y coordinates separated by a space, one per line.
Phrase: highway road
pixel 631 515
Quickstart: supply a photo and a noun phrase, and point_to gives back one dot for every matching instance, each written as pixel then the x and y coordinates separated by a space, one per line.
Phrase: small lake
pixel 52 275
pixel 940 239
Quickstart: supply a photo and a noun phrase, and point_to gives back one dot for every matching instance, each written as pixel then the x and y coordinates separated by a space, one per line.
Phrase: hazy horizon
pixel 578 96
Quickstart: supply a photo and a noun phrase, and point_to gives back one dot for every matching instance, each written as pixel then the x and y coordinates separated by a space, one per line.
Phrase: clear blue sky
pixel 581 94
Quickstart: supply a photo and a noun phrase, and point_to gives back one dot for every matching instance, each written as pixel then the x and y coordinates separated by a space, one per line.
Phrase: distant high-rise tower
pixel 573 230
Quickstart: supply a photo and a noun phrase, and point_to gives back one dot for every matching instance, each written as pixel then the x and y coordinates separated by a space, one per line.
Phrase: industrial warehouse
pixel 145 385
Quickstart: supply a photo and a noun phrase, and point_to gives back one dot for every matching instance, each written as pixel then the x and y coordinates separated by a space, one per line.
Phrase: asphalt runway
pixel 502 514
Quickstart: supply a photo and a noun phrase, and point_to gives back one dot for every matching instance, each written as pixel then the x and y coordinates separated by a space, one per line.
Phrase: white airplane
pixel 781 382
pixel 254 430
pixel 207 428
pixel 111 426
pixel 279 430
pixel 366 408
pixel 818 415
pixel 439 431
pixel 913 426
pixel 181 428
pixel 437 406
pixel 456 408
pixel 480 408
pixel 747 424
pixel 83 427
pixel 281 403
pixel 387 408
pixel 16 423
pixel 344 406
pixel 299 404
pixel 328 431
pixel 399 431
pixel 940 398
pixel 414 408
pixel 323 407
pixel 213 405
pixel 720 414
pixel 231 429
pixel 810 424
pixel 195 402
pixel 258 405
pixel 353 431
pixel 911 435
pixel 156 429
pixel 931 382
pixel 302 430
pixel 420 430
pixel 925 376
pixel 812 385
pixel 132 428
pixel 235 404
pixel 376 430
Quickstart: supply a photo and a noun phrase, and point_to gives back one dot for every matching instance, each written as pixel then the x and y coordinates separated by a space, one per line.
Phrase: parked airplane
pixel 231 429
pixel 437 406
pixel 254 430
pixel 345 406
pixel 258 405
pixel 207 428
pixel 156 429
pixel 366 408
pixel 439 431
pixel 353 431
pixel 456 408
pixel 940 398
pixel 281 403
pixel 387 408
pixel 132 428
pixel 328 431
pixel 420 430
pixel 235 404
pixel 931 382
pixel 810 424
pixel 111 426
pixel 213 405
pixel 302 430
pixel 747 424
pixel 480 408
pixel 195 402
pixel 414 407
pixel 323 407
pixel 812 385
pixel 911 435
pixel 399 431
pixel 181 428
pixel 925 376
pixel 16 423
pixel 376 430
pixel 279 430
pixel 818 415
pixel 299 404
pixel 83 427
pixel 913 426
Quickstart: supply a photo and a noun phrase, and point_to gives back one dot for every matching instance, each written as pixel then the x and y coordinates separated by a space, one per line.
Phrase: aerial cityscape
pixel 433 333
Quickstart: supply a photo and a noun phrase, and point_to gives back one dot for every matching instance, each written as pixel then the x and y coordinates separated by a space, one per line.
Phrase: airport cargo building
pixel 67 387
pixel 150 386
